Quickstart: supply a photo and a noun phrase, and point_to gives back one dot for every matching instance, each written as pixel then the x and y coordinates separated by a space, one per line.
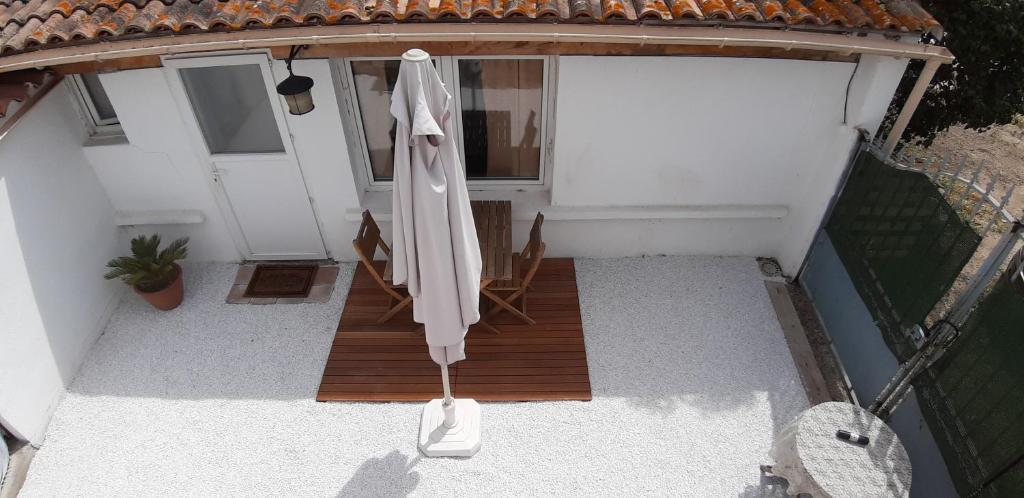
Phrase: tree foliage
pixel 985 85
pixel 148 269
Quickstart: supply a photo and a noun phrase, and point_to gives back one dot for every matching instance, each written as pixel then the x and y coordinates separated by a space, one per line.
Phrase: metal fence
pixel 902 237
pixel 907 229
pixel 974 397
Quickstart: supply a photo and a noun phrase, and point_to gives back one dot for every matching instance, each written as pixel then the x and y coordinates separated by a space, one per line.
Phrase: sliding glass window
pixel 498 112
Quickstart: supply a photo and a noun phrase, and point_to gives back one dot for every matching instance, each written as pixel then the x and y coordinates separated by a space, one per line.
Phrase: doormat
pixel 281 281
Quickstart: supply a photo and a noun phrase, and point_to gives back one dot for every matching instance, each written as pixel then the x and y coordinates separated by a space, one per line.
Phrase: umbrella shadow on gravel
pixel 388 476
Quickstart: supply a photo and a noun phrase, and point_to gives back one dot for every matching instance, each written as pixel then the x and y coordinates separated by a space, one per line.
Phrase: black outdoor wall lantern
pixel 295 89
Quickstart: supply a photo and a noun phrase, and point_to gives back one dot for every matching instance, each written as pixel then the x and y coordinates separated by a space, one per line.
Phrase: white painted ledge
pixel 563 213
pixel 162 217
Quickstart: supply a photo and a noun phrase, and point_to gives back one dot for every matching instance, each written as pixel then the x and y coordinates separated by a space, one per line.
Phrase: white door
pixel 240 124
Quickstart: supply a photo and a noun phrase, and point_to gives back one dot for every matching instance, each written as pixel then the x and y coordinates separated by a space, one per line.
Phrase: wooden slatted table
pixel 493 221
pixel 494 230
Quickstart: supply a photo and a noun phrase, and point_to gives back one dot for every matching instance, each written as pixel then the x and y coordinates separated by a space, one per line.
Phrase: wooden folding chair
pixel 524 267
pixel 366 243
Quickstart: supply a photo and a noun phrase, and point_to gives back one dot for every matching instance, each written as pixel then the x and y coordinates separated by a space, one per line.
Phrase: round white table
pixel 814 461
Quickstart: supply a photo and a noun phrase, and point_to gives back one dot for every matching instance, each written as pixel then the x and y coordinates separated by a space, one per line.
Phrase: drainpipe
pixel 913 100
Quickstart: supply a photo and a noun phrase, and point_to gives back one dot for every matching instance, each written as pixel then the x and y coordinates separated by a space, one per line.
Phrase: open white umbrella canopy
pixel 435 251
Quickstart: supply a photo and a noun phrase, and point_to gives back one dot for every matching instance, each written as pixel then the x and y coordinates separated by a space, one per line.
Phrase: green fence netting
pixel 901 242
pixel 973 398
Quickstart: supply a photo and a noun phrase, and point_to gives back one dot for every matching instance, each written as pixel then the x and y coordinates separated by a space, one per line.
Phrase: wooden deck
pixel 389 362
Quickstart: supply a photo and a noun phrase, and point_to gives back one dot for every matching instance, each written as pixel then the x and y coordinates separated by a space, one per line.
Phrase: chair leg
pixel 488 327
pixel 504 305
pixel 395 309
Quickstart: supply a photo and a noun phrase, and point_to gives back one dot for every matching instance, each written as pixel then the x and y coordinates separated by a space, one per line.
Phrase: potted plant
pixel 152 273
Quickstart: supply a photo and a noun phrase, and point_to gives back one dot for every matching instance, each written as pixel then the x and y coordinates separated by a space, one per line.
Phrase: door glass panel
pixel 374 80
pixel 501 113
pixel 233 109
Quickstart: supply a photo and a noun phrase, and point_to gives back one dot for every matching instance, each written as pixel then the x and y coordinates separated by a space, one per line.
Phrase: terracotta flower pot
pixel 169 297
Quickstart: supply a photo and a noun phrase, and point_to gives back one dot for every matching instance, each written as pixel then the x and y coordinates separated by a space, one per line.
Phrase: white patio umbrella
pixel 435 249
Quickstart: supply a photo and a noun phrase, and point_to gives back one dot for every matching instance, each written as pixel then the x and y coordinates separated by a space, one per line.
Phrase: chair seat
pixel 512 283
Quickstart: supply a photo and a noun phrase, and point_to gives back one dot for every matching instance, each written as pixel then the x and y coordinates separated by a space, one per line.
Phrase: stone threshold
pixel 320 292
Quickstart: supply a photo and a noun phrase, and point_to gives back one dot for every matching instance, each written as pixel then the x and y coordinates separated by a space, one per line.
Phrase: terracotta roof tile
pixel 581 10
pixel 447 10
pixel 800 14
pixel 383 11
pixel 522 9
pixel 827 13
pixel 33 24
pixel 653 9
pixel 854 14
pixel 879 16
pixel 773 11
pixel 716 9
pixel 616 10
pixel 683 9
pixel 415 10
pixel 902 11
pixel 744 10
pixel 552 9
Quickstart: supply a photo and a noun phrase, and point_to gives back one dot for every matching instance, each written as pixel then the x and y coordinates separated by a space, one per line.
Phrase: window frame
pixel 448 69
pixel 96 124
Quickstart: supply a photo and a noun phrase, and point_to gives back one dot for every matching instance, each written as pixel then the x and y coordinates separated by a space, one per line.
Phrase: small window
pixel 233 109
pixel 499 106
pixel 96 106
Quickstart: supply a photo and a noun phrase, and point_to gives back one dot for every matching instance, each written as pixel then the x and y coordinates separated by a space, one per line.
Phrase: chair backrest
pixel 367 238
pixel 533 253
pixel 366 243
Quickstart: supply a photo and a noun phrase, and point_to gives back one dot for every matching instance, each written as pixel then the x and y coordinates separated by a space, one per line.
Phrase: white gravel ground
pixel 690 373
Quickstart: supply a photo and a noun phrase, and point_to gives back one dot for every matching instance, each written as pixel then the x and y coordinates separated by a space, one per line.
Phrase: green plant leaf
pixel 984 86
pixel 147 267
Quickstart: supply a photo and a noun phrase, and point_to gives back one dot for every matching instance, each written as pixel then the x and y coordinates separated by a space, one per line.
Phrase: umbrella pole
pixel 449 403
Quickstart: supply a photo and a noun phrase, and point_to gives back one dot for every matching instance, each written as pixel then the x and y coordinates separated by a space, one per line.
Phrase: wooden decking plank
pixel 467 373
pixel 530 363
pixel 796 338
pixel 472 388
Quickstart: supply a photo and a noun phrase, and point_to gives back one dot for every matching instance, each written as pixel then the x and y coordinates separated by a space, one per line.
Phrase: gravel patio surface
pixel 690 372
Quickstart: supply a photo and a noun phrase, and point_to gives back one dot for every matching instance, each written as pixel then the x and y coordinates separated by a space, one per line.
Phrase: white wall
pixel 160 168
pixel 56 235
pixel 738 138
pixel 653 155
pixel 320 144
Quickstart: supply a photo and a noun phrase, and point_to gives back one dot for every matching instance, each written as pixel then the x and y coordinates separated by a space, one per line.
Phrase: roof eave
pixel 643 34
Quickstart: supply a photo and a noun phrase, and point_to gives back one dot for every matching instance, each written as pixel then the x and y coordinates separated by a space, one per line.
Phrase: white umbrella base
pixel 462 440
